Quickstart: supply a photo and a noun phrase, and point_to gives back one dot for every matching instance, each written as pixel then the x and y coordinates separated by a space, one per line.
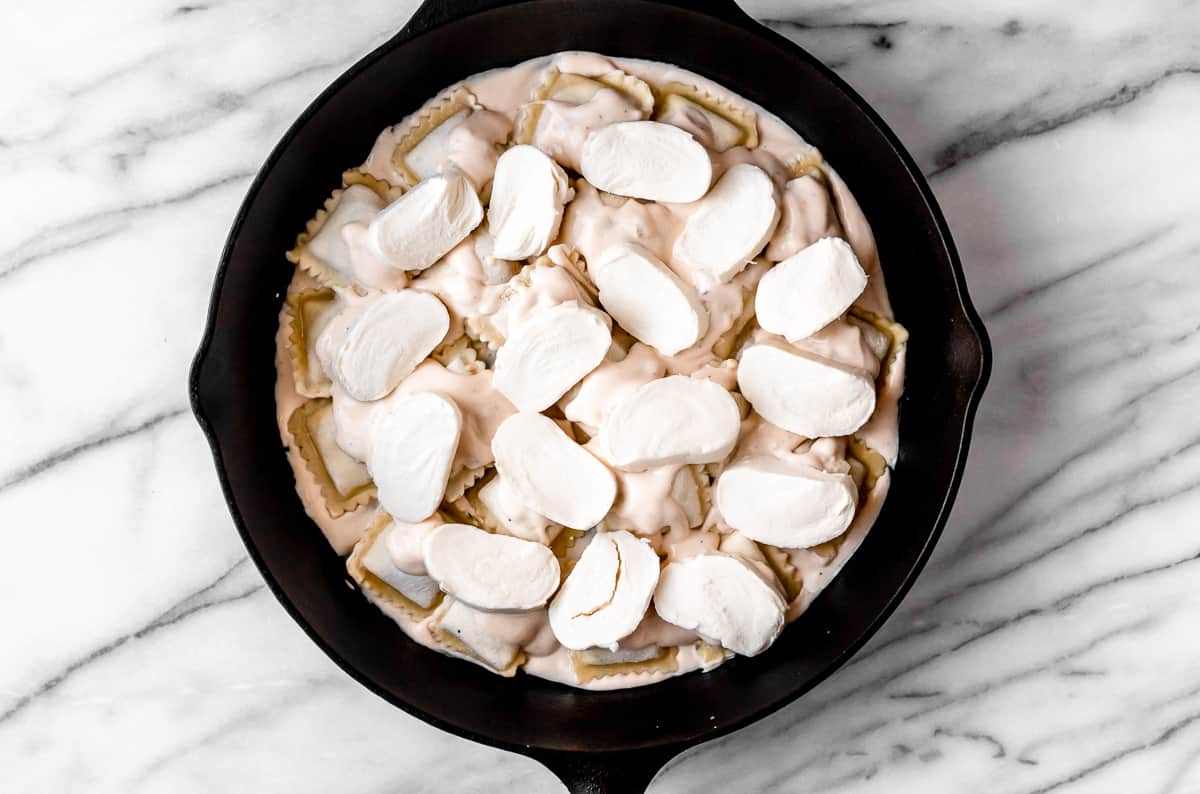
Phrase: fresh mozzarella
pixel 385 342
pixel 810 289
pixel 413 444
pixel 607 592
pixel 731 225
pixel 671 420
pixel 494 572
pixel 528 194
pixel 646 160
pixel 722 599
pixel 551 474
pixel 785 504
pixel 803 393
pixel 648 300
pixel 417 229
pixel 550 353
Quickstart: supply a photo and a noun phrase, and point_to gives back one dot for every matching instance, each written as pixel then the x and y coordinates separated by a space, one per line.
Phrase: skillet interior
pixel 233 378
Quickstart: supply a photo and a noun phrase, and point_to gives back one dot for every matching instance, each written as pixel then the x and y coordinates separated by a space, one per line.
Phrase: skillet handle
pixel 605 773
pixel 435 13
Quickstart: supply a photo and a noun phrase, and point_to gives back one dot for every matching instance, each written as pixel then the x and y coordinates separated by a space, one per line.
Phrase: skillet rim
pixel 667 747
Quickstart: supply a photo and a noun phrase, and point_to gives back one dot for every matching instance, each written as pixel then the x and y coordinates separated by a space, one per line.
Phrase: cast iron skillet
pixel 608 741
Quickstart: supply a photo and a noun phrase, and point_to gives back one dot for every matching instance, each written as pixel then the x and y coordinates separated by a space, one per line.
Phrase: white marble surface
pixel 1050 646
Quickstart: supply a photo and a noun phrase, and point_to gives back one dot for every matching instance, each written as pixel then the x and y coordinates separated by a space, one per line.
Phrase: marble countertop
pixel 1051 644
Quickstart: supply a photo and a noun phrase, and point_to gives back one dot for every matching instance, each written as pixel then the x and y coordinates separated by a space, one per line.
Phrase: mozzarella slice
pixel 810 289
pixel 528 194
pixel 552 474
pixel 417 229
pixel 808 395
pixel 723 600
pixel 606 595
pixel 487 571
pixel 648 300
pixel 550 353
pixel 646 160
pixel 672 420
pixel 731 225
pixel 786 504
pixel 412 446
pixel 384 344
pixel 421 590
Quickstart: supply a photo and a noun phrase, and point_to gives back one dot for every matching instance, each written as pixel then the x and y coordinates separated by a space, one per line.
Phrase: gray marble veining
pixel 1049 647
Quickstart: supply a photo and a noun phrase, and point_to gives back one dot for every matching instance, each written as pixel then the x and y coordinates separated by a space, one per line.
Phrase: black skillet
pixel 607 741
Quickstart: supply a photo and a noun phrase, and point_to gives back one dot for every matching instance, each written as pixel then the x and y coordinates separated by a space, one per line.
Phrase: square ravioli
pixel 344 482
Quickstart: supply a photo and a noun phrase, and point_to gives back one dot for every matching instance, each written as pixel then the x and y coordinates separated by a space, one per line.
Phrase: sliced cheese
pixel 678 419
pixel 648 300
pixel 551 474
pixel 785 504
pixel 803 393
pixel 528 194
pixel 385 342
pixel 493 572
pixel 607 592
pixel 810 289
pixel 731 225
pixel 723 600
pixel 646 160
pixel 417 229
pixel 412 446
pixel 550 353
